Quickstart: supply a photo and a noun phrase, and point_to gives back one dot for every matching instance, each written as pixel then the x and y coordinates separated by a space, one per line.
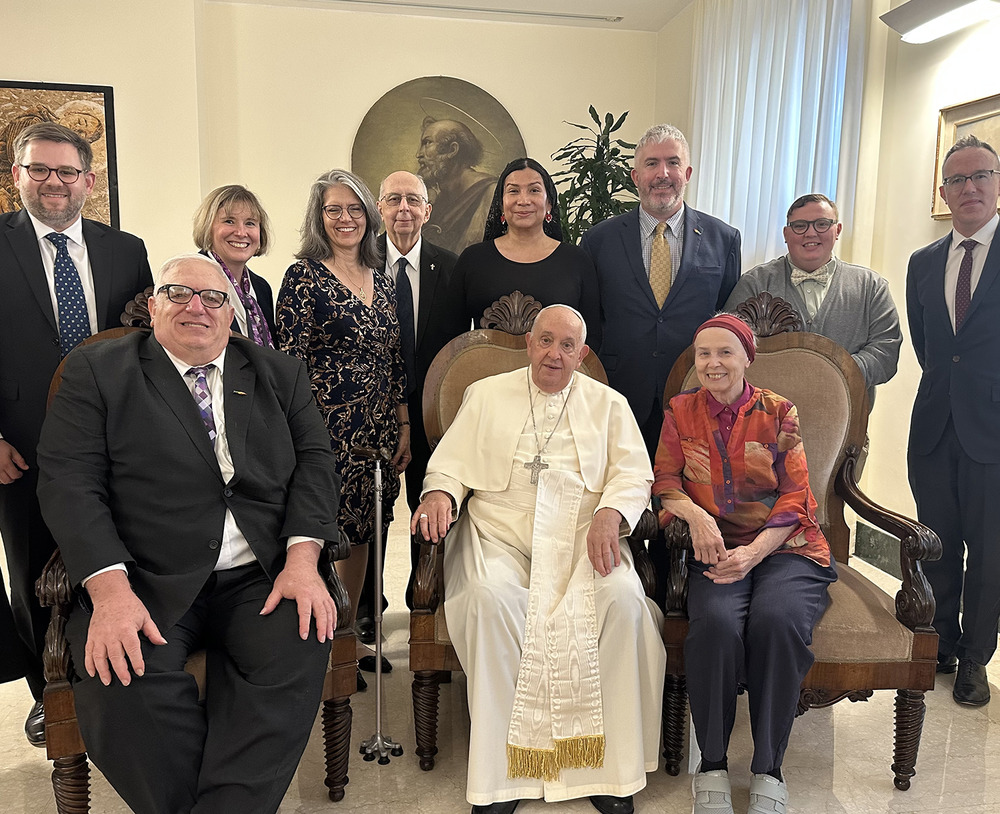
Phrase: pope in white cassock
pixel 561 647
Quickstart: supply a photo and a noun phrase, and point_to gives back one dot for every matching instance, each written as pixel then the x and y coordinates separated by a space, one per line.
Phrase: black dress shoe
pixel 506 807
pixel 362 684
pixel 612 805
pixel 34 726
pixel 971 687
pixel 367 663
pixel 947 664
pixel 365 628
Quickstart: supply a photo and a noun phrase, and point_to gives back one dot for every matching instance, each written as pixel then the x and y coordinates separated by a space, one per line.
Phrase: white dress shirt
pixel 392 255
pixel 77 249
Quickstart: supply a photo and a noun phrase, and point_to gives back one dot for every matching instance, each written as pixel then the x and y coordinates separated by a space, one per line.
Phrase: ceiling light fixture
pixel 920 21
pixel 599 18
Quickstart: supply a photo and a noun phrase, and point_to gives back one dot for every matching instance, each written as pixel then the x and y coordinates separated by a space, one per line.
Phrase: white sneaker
pixel 767 795
pixel 712 792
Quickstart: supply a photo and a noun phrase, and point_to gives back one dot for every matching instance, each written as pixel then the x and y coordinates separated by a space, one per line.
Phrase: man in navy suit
pixel 188 479
pixel 953 307
pixel 62 277
pixel 658 283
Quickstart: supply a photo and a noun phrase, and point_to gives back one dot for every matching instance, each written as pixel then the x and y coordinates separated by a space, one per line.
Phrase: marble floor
pixel 837 760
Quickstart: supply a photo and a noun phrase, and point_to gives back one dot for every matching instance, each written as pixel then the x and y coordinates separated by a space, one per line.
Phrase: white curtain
pixel 777 100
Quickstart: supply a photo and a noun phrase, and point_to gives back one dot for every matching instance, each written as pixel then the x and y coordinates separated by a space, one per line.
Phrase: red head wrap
pixel 735 325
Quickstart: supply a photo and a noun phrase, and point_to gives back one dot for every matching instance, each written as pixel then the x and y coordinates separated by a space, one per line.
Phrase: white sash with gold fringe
pixel 558 718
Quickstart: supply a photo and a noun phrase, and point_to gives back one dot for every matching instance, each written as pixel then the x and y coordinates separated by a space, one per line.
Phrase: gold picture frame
pixel 981 117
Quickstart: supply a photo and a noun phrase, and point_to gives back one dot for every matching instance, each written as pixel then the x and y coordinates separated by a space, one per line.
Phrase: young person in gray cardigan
pixel 849 304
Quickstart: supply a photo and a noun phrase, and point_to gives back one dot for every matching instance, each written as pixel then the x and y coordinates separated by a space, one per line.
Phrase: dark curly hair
pixel 496 227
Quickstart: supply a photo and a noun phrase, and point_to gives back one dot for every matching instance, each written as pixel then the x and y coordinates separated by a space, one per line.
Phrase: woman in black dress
pixel 523 250
pixel 337 312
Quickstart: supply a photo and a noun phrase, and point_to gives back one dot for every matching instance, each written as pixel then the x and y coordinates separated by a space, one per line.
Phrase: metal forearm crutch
pixel 378 745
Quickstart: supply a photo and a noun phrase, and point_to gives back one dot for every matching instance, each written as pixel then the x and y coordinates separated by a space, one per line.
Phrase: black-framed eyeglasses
pixel 980 178
pixel 394 199
pixel 183 294
pixel 40 172
pixel 333 212
pixel 800 227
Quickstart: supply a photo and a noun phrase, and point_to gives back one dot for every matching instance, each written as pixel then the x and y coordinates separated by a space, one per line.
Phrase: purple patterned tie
pixel 203 398
pixel 963 289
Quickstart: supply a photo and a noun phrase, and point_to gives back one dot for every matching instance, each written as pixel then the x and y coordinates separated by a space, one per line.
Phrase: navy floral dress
pixel 353 356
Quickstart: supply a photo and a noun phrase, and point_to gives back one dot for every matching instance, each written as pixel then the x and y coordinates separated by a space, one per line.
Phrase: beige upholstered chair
pixel 63 741
pixel 464 360
pixel 866 640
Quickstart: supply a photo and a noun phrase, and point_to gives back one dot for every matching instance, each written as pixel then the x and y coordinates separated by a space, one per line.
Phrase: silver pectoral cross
pixel 536 466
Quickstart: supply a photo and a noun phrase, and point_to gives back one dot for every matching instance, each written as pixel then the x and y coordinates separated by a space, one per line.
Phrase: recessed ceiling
pixel 623 15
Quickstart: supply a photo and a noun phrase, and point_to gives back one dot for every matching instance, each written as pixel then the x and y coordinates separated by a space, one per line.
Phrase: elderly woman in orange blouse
pixel 730 463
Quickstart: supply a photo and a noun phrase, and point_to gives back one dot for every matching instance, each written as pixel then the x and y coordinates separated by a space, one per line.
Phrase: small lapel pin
pixel 697 231
pixel 432 267
pixel 238 393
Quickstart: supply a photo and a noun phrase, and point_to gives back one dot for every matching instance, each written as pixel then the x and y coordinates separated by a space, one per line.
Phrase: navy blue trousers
pixel 960 500
pixel 755 633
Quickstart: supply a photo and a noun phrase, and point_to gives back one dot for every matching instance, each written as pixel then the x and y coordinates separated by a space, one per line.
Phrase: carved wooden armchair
pixel 472 356
pixel 865 641
pixel 63 741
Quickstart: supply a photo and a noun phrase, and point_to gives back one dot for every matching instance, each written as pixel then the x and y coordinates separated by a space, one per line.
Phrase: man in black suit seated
pixel 429 307
pixel 62 278
pixel 188 480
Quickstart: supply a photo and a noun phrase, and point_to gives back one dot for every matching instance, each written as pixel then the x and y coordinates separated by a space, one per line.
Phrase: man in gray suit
pixel 849 304
pixel 953 309
pixel 62 278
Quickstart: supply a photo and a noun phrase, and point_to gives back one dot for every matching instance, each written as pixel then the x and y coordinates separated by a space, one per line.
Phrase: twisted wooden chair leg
pixel 337 715
pixel 674 720
pixel 71 784
pixel 909 724
pixel 426 693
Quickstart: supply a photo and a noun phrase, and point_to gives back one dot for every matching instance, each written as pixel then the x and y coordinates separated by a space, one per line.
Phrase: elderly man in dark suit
pixel 429 306
pixel 62 277
pixel 663 269
pixel 188 479
pixel 953 308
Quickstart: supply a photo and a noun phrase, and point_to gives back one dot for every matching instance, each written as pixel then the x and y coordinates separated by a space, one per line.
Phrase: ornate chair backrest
pixel 826 386
pixel 480 353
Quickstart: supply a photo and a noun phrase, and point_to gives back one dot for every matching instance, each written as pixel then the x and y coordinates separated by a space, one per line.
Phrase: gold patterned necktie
pixel 660 265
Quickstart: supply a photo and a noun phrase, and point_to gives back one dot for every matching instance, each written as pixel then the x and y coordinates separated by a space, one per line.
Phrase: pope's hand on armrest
pixel 433 516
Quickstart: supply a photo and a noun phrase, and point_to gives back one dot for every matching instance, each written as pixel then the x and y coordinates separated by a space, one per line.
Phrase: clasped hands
pixel 119 615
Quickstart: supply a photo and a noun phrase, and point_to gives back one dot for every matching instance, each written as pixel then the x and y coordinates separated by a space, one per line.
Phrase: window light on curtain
pixel 776 112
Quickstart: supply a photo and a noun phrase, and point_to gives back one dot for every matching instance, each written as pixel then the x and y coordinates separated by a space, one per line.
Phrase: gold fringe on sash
pixel 585 752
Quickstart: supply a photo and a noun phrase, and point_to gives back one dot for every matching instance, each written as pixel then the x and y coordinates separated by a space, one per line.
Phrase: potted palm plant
pixel 597 182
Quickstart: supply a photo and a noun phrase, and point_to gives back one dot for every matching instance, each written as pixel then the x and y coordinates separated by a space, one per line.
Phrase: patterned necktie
pixel 963 289
pixel 203 398
pixel 407 333
pixel 74 324
pixel 660 265
pixel 257 327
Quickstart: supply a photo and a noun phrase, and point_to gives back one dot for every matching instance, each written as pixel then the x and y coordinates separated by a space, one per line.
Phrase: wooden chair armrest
pixel 341 599
pixel 915 600
pixel 428 580
pixel 54 590
pixel 677 538
pixel 645 529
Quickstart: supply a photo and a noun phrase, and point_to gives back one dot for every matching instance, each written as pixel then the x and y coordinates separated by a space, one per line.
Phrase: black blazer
pixel 961 372
pixel 441 304
pixel 127 472
pixel 641 341
pixel 29 335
